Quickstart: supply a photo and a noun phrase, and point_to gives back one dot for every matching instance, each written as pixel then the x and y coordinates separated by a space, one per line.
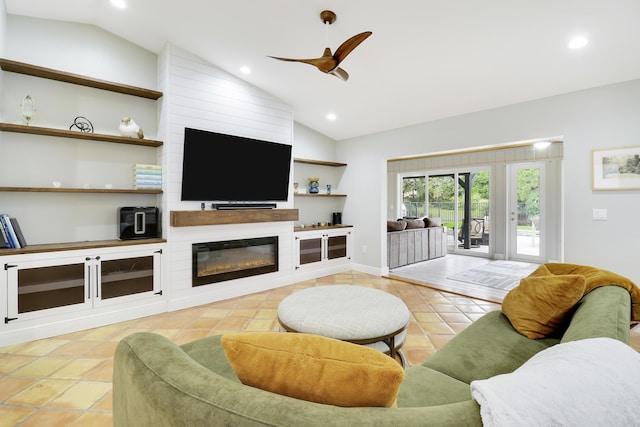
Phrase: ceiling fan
pixel 328 62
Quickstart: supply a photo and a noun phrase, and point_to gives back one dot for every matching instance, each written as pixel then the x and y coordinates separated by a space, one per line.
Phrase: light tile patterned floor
pixel 66 380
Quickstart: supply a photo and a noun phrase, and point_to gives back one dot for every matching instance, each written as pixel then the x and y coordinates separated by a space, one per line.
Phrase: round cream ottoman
pixel 355 314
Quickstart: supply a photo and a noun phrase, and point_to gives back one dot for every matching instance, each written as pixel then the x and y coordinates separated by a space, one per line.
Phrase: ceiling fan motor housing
pixel 328 17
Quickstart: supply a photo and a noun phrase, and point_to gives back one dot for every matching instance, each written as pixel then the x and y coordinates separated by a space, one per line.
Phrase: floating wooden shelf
pixel 96 244
pixel 77 190
pixel 63 76
pixel 319 162
pixel 63 133
pixel 240 216
pixel 320 195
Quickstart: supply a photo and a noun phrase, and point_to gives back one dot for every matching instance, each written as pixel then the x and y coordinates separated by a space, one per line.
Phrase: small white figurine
pixel 128 127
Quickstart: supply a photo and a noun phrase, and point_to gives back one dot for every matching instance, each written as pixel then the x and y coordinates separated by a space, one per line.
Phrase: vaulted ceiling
pixel 426 59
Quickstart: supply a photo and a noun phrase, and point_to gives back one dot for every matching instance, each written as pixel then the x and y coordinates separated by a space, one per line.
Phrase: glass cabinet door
pixel 42 285
pixel 121 275
pixel 310 250
pixel 126 276
pixel 336 247
pixel 50 287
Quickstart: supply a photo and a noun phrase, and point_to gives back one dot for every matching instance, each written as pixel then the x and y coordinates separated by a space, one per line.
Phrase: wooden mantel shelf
pixel 240 216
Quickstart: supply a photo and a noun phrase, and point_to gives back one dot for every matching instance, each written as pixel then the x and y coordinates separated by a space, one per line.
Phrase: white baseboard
pixel 374 271
pixel 35 329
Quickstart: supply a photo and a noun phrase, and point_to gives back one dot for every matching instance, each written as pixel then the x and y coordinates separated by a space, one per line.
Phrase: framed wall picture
pixel 616 168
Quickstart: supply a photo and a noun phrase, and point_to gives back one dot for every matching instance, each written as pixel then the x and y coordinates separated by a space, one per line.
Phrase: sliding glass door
pixel 460 198
pixel 473 207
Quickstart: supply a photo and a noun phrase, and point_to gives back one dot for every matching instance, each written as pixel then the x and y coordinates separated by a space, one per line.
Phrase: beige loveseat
pixel 414 240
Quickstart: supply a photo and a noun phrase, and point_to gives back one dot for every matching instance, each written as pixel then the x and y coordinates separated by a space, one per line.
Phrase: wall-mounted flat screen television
pixel 227 168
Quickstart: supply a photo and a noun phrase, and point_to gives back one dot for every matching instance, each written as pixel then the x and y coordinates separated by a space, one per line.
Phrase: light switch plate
pixel 599 214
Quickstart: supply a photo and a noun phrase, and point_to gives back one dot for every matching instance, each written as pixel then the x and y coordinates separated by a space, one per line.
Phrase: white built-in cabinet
pixel 49 289
pixel 322 248
pixel 70 282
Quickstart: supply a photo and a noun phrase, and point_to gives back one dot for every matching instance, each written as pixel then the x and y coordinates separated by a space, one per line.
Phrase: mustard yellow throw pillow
pixel 539 304
pixel 314 368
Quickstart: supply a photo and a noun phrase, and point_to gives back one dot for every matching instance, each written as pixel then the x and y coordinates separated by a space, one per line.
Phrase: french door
pixel 526 212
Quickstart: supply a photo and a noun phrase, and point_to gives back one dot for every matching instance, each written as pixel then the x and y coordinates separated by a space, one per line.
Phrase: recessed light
pixel 331 117
pixel 119 3
pixel 541 145
pixel 578 42
pixel 245 70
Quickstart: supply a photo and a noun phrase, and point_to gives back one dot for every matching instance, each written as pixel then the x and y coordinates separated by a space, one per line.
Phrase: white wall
pixel 79 49
pixel 202 96
pixel 310 144
pixel 3 37
pixel 39 160
pixel 595 118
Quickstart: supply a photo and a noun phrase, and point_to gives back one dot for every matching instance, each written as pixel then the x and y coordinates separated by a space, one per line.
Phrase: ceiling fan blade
pixel 306 61
pixel 340 73
pixel 346 47
pixel 324 63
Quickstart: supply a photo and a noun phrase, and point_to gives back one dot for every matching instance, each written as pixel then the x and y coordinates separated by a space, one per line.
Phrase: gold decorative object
pixel 28 109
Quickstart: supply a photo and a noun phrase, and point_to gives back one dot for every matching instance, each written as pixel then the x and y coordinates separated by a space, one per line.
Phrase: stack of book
pixel 147 177
pixel 10 233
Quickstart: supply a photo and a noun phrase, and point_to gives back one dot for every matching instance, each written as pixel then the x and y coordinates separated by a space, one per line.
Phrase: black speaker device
pixel 337 218
pixel 139 222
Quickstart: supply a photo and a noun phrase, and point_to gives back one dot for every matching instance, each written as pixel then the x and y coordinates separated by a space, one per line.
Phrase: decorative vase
pixel 314 185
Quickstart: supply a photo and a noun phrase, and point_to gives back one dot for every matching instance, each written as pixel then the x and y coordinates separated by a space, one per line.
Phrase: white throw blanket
pixel 593 382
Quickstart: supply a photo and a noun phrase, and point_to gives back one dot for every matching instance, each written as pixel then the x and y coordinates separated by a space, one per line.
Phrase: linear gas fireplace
pixel 232 259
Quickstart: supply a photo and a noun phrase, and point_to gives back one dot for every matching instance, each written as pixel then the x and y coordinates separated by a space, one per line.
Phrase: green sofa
pixel 157 383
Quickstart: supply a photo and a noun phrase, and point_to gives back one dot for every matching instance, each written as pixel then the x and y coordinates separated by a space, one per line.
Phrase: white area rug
pixel 503 275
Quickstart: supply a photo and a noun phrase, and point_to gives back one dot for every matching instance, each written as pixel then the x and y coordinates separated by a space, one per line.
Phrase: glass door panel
pixel 526 207
pixel 461 200
pixel 413 196
pixel 49 287
pixel 442 202
pixel 126 276
pixel 310 250
pixel 336 247
pixel 473 208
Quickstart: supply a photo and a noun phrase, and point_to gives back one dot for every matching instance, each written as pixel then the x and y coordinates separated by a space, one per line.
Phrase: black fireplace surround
pixel 232 259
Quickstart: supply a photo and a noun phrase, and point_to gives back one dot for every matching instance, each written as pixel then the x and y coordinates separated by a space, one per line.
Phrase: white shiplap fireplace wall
pixel 202 96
